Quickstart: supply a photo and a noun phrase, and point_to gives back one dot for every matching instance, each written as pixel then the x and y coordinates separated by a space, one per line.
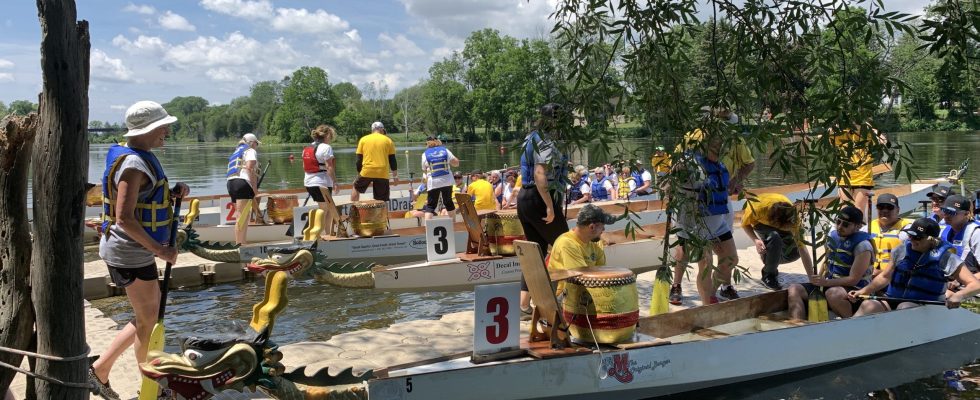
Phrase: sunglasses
pixel 888 207
pixel 950 212
pixel 842 223
pixel 916 238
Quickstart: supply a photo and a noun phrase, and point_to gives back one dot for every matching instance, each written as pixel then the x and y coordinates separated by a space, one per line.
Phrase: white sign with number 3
pixel 497 313
pixel 440 239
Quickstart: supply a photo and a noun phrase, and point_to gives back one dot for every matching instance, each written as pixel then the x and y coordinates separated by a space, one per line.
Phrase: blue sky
pixel 217 49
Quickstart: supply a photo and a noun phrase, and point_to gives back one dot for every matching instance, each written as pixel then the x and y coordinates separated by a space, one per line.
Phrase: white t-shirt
pixel 608 185
pixel 249 155
pixel 970 243
pixel 436 182
pixel 952 262
pixel 645 176
pixel 117 248
pixel 323 154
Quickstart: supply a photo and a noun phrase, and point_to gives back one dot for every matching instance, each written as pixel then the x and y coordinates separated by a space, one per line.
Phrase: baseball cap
pixel 888 198
pixel 941 191
pixel 851 214
pixel 430 138
pixel 250 137
pixel 145 116
pixel 591 214
pixel 550 110
pixel 377 125
pixel 923 227
pixel 956 203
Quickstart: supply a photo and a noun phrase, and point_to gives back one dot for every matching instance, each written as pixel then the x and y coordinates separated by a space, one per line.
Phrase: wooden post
pixel 16 314
pixel 60 173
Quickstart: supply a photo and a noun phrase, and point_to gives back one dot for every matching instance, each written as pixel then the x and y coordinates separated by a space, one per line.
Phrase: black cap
pixel 851 214
pixel 956 203
pixel 941 191
pixel 592 214
pixel 923 227
pixel 458 175
pixel 888 198
pixel 550 110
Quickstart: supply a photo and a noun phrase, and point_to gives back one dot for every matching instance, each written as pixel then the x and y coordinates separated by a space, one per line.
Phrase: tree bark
pixel 16 314
pixel 60 173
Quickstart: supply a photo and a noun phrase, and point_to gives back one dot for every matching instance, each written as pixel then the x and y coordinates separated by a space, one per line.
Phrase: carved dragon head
pixel 295 262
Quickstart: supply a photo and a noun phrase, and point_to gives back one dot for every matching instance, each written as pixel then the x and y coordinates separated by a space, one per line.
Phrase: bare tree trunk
pixel 16 314
pixel 60 173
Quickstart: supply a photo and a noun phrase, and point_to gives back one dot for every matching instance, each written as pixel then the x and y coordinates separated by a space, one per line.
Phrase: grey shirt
pixel 116 248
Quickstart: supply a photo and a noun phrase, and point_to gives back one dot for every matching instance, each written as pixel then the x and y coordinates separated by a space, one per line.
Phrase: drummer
pixel 581 247
pixel 375 156
pixel 482 192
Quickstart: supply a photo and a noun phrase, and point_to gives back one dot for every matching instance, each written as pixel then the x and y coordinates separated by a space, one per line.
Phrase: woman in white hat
pixel 243 180
pixel 136 225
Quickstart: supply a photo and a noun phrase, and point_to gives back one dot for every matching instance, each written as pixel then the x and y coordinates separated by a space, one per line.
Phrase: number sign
pixel 497 316
pixel 440 240
pixel 230 211
pixel 300 217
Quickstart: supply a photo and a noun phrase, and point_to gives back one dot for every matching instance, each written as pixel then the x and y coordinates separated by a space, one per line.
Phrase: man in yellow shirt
pixel 580 247
pixel 770 220
pixel 887 231
pixel 375 156
pixel 859 182
pixel 482 192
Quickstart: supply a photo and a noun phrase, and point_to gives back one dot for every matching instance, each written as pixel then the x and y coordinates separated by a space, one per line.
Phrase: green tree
pixel 347 92
pixel 409 105
pixel 3 109
pixel 307 102
pixel 22 107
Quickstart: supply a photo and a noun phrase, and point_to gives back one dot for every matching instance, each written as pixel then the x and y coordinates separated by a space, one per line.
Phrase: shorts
pixel 382 189
pixel 123 277
pixel 715 228
pixel 240 189
pixel 863 187
pixel 432 201
pixel 319 193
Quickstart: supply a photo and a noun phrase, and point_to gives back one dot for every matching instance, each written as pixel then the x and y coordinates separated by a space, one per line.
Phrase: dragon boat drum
pixel 503 228
pixel 606 298
pixel 280 208
pixel 369 218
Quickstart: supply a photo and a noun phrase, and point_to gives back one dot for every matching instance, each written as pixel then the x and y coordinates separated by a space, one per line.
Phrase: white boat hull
pixel 382 250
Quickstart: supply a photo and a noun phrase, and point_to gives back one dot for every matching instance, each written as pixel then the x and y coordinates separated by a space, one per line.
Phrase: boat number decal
pixel 497 333
pixel 442 245
pixel 231 211
pixel 408 384
pixel 479 271
pixel 396 275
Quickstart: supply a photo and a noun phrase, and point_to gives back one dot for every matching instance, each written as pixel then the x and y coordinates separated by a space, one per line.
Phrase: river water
pixel 318 312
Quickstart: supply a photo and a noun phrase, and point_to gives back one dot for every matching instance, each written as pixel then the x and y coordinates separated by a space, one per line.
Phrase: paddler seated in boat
pixel 850 254
pixel 602 187
pixel 887 231
pixel 644 181
pixel 923 265
pixel 961 231
pixel 772 222
pixel 580 190
pixel 482 192
pixel 938 198
pixel 581 247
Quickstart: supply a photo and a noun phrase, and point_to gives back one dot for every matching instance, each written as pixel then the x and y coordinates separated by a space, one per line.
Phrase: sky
pixel 216 49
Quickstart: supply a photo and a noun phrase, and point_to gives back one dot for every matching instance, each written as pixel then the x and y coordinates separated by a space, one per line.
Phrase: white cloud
pixel 400 45
pixel 300 20
pixel 234 49
pixel 109 69
pixel 353 35
pixel 6 64
pixel 144 45
pixel 6 77
pixel 223 74
pixel 442 52
pixel 175 22
pixel 140 9
pixel 120 107
pixel 454 21
pixel 261 9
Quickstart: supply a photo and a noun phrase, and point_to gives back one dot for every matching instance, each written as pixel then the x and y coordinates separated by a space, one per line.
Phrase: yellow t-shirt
pixel 862 175
pixel 518 183
pixel 375 148
pixel 734 159
pixel 757 212
pixel 482 192
pixel 569 252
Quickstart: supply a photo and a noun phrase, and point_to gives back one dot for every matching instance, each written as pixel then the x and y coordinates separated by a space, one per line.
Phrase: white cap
pixel 145 116
pixel 250 137
pixel 377 125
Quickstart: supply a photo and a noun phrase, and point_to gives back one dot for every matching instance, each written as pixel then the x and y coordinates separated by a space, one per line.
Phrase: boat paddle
pixel 245 213
pixel 901 299
pixel 661 288
pixel 816 302
pixel 149 388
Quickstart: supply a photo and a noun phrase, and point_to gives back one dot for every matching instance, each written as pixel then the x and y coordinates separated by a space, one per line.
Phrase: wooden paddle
pixel 901 299
pixel 149 389
pixel 245 213
pixel 816 302
pixel 659 299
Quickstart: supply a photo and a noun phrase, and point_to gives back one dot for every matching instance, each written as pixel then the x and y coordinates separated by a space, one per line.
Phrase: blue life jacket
pixel 237 160
pixel 840 255
pixel 438 159
pixel 575 192
pixel 599 191
pixel 560 173
pixel 920 276
pixel 154 211
pixel 714 193
pixel 956 240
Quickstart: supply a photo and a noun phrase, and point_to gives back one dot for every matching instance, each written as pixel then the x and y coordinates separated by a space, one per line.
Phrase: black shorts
pixel 317 193
pixel 809 287
pixel 721 238
pixel 382 189
pixel 124 277
pixel 239 189
pixel 432 201
pixel 858 187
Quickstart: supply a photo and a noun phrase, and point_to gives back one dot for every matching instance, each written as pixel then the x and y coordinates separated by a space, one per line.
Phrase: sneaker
pixel 728 292
pixel 713 300
pixel 526 314
pixel 675 294
pixel 100 389
pixel 771 282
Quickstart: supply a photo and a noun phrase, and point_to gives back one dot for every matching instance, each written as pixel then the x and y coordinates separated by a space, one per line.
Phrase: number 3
pixel 497 333
pixel 442 245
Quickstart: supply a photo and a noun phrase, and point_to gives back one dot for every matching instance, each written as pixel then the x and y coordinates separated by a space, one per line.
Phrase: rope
pixel 82 356
pixel 85 385
pixel 47 357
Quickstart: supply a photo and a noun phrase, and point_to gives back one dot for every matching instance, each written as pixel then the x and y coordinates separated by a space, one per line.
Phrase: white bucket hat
pixel 250 137
pixel 145 116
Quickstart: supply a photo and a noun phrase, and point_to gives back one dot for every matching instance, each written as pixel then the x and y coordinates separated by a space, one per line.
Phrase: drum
pixel 280 208
pixel 606 298
pixel 369 218
pixel 503 228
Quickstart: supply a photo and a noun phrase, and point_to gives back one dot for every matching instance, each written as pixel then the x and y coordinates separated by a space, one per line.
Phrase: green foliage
pixel 307 101
pixel 21 107
pixel 3 109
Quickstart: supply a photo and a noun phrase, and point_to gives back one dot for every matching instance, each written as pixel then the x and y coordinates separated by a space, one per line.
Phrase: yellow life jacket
pixel 886 241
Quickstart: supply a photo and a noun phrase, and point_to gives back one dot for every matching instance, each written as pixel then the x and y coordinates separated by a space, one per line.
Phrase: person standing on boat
pixel 602 187
pixel 136 230
pixel 438 161
pixel 850 254
pixel 243 180
pixel 772 223
pixel 482 192
pixel 962 231
pixel 581 190
pixel 860 181
pixel 543 174
pixel 375 157
pixel 887 231
pixel 319 173
pixel 923 265
pixel 938 200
